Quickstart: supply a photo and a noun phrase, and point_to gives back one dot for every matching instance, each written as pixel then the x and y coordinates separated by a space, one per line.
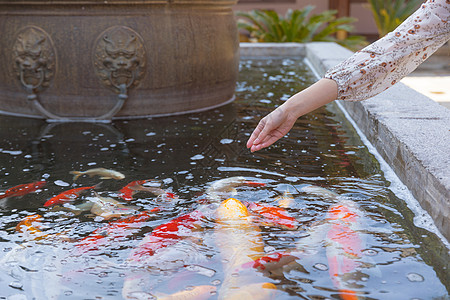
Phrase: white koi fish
pixel 102 172
pixel 240 243
pixel 224 188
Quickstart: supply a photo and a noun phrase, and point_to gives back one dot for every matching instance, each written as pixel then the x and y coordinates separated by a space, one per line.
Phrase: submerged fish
pixel 166 235
pixel 273 216
pixel 286 200
pixel 115 230
pixel 30 229
pixel 239 242
pixel 344 244
pixel 319 191
pixel 67 196
pixel 133 187
pixel 109 208
pixel 23 189
pixel 201 292
pixel 102 172
pixel 223 188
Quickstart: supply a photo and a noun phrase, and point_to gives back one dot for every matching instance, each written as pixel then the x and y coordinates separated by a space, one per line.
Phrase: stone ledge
pixel 409 130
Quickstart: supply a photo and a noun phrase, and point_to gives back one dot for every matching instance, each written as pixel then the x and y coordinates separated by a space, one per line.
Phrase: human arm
pixel 278 123
pixel 385 62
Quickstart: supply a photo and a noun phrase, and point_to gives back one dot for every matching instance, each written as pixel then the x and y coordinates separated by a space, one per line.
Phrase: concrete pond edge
pixel 410 131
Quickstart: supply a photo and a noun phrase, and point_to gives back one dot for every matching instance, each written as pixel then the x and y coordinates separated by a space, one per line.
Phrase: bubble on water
pixel 197 157
pixel 414 277
pixel 226 141
pixel 151 134
pixel 216 282
pixel 16 285
pixel 265 101
pixel 370 252
pixel 321 267
pixel 61 183
pixel 68 293
pixel 12 152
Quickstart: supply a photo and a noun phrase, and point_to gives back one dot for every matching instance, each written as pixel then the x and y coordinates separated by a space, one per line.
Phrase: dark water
pixel 186 153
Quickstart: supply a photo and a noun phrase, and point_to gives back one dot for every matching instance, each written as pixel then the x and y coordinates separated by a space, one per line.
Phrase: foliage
pixel 388 14
pixel 295 26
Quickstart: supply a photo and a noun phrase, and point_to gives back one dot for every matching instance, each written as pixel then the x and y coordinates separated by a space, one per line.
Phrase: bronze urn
pixel 98 60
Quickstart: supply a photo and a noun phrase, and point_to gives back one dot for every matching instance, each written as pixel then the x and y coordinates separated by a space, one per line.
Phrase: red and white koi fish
pixel 273 216
pixel 166 235
pixel 115 230
pixel 239 241
pixel 67 196
pixel 102 172
pixel 223 188
pixel 133 187
pixel 23 189
pixel 344 244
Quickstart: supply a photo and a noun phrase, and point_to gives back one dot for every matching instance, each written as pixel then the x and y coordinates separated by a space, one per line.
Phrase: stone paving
pixel 432 78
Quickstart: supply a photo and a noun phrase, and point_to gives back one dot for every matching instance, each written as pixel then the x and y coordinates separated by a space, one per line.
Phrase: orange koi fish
pixel 67 196
pixel 30 228
pixel 167 234
pixel 286 200
pixel 344 244
pixel 23 189
pixel 271 262
pixel 115 230
pixel 273 216
pixel 239 241
pixel 133 187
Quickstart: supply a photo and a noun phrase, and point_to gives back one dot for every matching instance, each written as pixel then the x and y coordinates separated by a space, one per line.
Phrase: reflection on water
pixel 315 217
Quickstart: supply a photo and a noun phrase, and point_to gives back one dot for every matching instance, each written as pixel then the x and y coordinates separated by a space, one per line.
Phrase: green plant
pixel 388 14
pixel 295 26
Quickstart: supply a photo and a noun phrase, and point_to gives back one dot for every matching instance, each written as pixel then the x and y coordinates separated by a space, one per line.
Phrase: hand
pixel 270 129
pixel 278 123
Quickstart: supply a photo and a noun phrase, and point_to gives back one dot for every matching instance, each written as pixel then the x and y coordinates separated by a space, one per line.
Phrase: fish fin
pixel 76 174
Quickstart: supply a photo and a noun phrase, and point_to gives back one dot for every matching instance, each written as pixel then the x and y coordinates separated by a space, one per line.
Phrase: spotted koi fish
pixel 30 228
pixel 23 189
pixel 67 196
pixel 115 230
pixel 273 216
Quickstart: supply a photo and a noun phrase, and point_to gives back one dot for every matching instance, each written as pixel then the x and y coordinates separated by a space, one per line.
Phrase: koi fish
pixel 272 261
pixel 240 242
pixel 133 187
pixel 30 228
pixel 67 196
pixel 201 292
pixel 344 244
pixel 23 189
pixel 319 191
pixel 286 200
pixel 273 216
pixel 115 230
pixel 102 172
pixel 109 208
pixel 224 187
pixel 166 235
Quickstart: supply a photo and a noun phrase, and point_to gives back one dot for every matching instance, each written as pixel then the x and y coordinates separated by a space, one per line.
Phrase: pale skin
pixel 278 123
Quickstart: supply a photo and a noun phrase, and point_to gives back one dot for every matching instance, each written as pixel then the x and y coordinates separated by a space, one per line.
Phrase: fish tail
pixel 76 174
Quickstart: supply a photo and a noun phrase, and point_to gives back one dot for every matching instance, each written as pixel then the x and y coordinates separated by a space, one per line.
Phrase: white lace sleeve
pixel 384 62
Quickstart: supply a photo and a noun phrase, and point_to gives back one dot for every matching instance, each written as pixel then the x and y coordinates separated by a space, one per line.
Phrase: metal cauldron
pixel 97 60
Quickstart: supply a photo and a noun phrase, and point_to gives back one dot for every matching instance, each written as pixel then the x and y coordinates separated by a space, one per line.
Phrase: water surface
pixel 186 154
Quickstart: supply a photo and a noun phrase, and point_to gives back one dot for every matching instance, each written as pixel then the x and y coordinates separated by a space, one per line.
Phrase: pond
pixel 314 216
